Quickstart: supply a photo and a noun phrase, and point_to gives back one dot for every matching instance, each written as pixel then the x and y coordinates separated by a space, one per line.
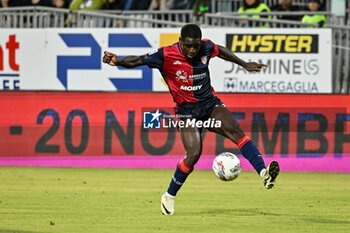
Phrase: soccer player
pixel 184 67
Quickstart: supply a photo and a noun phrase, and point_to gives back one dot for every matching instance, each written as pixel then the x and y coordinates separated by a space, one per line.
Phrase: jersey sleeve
pixel 154 59
pixel 215 49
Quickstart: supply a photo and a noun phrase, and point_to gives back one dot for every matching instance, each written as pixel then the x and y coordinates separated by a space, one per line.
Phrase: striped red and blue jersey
pixel 188 79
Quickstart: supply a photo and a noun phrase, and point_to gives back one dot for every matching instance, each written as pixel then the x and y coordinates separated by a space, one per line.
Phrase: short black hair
pixel 191 30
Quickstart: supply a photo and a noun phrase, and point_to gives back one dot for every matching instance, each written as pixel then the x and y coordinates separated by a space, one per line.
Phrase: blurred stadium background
pixel 61 107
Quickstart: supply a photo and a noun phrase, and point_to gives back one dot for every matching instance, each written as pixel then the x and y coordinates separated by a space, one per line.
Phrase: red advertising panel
pixel 111 123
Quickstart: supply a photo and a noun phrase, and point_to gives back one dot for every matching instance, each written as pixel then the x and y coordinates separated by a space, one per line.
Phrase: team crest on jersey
pixel 181 75
pixel 204 60
pixel 177 62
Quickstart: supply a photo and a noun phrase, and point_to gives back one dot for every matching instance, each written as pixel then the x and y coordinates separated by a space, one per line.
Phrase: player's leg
pixel 231 129
pixel 192 141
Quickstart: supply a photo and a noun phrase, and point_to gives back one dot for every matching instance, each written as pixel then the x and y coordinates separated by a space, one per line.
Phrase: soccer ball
pixel 226 166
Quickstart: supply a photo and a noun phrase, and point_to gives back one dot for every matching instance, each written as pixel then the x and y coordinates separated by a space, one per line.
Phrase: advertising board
pixel 298 60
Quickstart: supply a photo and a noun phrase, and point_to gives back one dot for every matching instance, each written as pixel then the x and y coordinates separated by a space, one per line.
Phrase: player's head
pixel 191 30
pixel 190 40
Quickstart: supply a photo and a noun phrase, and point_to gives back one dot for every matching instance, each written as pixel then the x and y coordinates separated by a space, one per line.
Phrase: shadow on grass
pixel 242 212
pixel 327 221
pixel 16 231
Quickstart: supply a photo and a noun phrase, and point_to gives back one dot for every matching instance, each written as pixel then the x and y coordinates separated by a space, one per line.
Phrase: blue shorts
pixel 200 111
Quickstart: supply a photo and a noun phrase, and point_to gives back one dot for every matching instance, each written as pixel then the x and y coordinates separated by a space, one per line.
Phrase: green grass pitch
pixel 121 201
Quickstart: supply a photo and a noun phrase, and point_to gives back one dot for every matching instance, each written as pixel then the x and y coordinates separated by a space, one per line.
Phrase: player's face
pixel 190 46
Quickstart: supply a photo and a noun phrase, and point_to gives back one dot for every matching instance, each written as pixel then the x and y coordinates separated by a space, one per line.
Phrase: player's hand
pixel 110 58
pixel 254 67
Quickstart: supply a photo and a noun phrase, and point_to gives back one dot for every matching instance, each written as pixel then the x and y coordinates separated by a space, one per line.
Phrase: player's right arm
pixel 154 59
pixel 127 62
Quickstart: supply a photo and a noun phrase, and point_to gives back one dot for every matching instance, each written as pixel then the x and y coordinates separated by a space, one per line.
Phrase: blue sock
pixel 251 152
pixel 180 175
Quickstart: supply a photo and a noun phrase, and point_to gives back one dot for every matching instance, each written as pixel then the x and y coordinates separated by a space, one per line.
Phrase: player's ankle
pixel 169 195
pixel 262 173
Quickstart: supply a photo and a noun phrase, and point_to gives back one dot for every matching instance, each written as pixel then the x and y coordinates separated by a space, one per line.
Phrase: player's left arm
pixel 228 55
